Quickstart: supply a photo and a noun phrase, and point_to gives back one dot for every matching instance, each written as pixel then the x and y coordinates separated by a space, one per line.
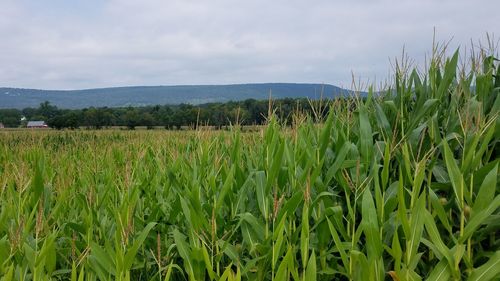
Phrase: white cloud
pixel 91 43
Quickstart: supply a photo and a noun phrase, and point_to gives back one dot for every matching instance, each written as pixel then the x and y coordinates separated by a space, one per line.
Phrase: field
pixel 401 185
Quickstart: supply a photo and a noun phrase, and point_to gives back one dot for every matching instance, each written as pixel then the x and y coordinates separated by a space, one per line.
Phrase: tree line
pixel 218 115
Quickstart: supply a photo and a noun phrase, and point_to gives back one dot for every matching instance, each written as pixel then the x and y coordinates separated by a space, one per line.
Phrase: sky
pixel 78 44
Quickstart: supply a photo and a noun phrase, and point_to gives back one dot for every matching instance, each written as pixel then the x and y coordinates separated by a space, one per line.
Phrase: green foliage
pixel 216 115
pixel 10 117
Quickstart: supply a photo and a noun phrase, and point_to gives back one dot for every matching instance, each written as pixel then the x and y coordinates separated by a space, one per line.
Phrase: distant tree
pixel 247 112
pixel 47 110
pixel 257 110
pixel 132 118
pixel 188 114
pixel 10 117
pixel 178 119
pixel 165 117
pixel 57 122
pixel 72 119
pixel 184 115
pixel 97 117
pixel 69 120
pixel 218 115
pixel 147 120
pixel 29 112
pixel 38 118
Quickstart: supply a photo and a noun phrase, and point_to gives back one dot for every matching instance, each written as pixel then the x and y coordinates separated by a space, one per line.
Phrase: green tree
pixel 147 120
pixel 47 110
pixel 97 117
pixel 132 118
pixel 10 117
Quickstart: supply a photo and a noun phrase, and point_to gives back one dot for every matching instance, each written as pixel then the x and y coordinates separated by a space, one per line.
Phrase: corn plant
pixel 399 184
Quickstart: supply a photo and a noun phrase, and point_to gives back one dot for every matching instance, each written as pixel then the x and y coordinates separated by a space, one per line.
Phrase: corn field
pixel 398 185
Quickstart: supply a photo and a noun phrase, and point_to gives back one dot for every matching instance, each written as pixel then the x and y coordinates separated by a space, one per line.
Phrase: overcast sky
pixel 75 44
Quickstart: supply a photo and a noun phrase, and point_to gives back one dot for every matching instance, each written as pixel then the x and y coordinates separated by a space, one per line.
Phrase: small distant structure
pixel 2 126
pixel 37 124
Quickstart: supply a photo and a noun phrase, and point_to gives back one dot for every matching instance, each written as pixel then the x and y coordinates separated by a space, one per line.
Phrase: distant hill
pixel 152 95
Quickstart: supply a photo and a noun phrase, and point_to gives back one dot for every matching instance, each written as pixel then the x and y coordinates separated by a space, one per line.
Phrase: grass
pixel 402 185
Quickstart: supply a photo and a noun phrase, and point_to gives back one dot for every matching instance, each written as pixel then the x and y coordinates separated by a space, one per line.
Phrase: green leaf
pixel 324 140
pixel 132 252
pixel 448 76
pixel 225 188
pixel 383 122
pixel 435 237
pixel 9 276
pixel 260 189
pixel 439 210
pixel 477 219
pixel 360 267
pixel 304 235
pixel 441 272
pixel 338 244
pixel 311 268
pixel 74 272
pixel 417 227
pixel 278 237
pixel 370 226
pixel 365 135
pixel 102 258
pixel 339 160
pixel 37 186
pixel 456 177
pixel 277 160
pixel 184 251
pixel 4 250
pixel 487 190
pixel 49 253
pixel 488 271
pixel 283 273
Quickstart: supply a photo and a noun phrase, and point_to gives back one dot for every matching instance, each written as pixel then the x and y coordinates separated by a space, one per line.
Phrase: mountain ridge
pixel 172 94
